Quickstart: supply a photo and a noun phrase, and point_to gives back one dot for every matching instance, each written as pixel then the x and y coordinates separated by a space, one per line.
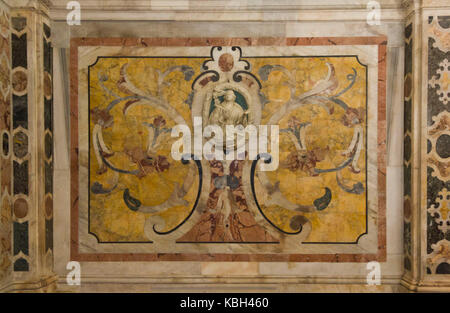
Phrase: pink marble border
pixel 381 41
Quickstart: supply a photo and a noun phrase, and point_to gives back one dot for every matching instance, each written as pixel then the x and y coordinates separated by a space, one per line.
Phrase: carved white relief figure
pixel 227 112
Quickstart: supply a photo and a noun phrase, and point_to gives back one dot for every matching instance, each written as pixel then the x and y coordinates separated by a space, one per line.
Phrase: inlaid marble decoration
pixel 407 151
pixel 20 146
pixel 321 196
pixel 5 148
pixel 47 142
pixel 438 146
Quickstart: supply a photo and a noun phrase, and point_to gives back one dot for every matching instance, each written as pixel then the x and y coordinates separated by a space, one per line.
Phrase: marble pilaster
pixel 426 225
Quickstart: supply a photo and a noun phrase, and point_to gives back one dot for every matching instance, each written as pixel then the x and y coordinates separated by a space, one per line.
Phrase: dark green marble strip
pixel 407 146
pixel 47 31
pixel 47 57
pixel 20 111
pixel 49 234
pixel 21 265
pixel 48 177
pixel 48 140
pixel 18 23
pixel 19 51
pixel 20 177
pixel 20 235
pixel 5 144
pixel 48 146
pixel 20 145
pixel 48 114
pixel 407 243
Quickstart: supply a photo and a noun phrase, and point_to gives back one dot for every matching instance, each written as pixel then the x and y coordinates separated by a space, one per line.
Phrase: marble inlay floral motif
pixel 438 30
pixel 441 81
pixel 325 94
pixel 440 212
pixel 438 146
pixel 318 193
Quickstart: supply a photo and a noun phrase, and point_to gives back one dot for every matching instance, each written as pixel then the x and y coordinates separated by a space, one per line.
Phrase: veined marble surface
pixel 254 19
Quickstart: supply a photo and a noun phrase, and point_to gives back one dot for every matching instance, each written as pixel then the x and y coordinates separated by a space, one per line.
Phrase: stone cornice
pixel 229 5
pixel 243 16
pixel 234 10
pixel 41 6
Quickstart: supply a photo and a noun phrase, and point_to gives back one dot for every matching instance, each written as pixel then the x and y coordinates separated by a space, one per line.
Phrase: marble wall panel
pixel 47 142
pixel 20 147
pixel 86 58
pixel 5 139
pixel 407 146
pixel 438 145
